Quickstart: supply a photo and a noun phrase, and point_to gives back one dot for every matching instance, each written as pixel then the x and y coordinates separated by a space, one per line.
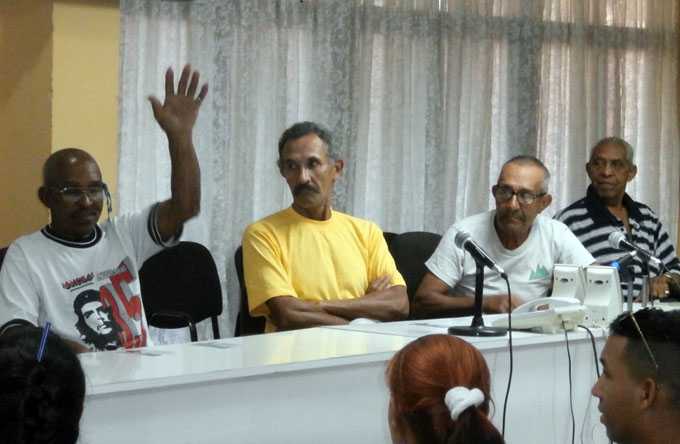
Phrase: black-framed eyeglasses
pixel 644 341
pixel 72 194
pixel 504 193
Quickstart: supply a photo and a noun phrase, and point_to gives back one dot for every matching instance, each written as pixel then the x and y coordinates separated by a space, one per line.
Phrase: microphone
pixel 618 240
pixel 464 241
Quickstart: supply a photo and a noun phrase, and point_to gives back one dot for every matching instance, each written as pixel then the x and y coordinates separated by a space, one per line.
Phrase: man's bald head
pixel 74 192
pixel 57 166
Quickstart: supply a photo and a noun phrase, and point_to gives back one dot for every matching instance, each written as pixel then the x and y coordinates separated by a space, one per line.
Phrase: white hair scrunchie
pixel 459 399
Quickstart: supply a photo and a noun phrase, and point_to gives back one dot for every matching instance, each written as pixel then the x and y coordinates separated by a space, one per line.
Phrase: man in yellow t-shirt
pixel 309 265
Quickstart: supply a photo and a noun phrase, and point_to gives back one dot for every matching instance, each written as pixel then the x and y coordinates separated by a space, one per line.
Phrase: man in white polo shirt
pixel 515 234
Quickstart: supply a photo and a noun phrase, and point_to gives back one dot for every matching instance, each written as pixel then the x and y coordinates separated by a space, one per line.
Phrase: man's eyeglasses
pixel 504 193
pixel 74 194
pixel 644 341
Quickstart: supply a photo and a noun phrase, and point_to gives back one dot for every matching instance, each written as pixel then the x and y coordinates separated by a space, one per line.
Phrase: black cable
pixel 592 342
pixel 597 362
pixel 507 392
pixel 571 394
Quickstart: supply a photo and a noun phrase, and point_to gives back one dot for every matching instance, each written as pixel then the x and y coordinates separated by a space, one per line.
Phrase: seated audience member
pixel 440 393
pixel 523 242
pixel 41 397
pixel 310 265
pixel 639 389
pixel 81 276
pixel 607 207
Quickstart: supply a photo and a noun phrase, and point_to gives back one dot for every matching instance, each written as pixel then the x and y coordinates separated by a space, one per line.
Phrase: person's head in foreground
pixel 439 393
pixel 639 390
pixel 40 402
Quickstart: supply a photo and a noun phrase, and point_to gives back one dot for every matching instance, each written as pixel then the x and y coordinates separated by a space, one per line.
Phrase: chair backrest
pixel 245 324
pixel 410 252
pixel 181 279
pixel 3 252
pixel 389 236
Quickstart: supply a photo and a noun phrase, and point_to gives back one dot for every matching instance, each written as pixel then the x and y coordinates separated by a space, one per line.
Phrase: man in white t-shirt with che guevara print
pixel 81 277
pixel 522 241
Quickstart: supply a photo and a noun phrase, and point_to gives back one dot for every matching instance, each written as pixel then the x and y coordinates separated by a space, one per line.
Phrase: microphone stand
pixel 627 275
pixel 647 279
pixel 645 283
pixel 477 327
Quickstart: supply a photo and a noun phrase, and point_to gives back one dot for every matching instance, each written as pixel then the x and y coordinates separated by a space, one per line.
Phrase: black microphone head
pixel 615 238
pixel 461 238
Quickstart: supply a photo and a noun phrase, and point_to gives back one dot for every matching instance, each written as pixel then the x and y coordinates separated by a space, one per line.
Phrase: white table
pixel 319 385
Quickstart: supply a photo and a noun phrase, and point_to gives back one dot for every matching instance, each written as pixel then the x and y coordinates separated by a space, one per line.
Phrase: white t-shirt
pixel 88 291
pixel 529 267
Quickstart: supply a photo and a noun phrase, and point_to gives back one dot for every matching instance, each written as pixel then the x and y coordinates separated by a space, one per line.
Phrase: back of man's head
pixel 659 358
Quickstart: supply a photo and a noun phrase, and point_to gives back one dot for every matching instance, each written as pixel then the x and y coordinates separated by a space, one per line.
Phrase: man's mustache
pixel 304 187
pixel 514 214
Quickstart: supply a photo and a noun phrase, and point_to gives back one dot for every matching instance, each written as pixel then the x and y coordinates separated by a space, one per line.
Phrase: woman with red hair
pixel 439 387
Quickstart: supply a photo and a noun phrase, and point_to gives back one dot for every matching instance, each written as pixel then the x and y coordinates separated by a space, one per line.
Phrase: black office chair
pixel 389 236
pixel 245 324
pixel 410 252
pixel 181 287
pixel 3 252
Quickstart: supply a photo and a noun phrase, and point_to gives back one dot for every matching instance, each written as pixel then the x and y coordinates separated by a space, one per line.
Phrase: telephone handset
pixel 547 315
pixel 541 304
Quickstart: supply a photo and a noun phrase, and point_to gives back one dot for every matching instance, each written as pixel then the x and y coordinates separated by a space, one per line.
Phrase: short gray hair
pixel 613 140
pixel 302 129
pixel 533 161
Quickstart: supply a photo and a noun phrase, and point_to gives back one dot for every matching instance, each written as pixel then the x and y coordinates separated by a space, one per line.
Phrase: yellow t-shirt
pixel 286 254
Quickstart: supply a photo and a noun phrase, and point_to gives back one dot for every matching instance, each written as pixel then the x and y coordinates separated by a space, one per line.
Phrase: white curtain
pixel 426 100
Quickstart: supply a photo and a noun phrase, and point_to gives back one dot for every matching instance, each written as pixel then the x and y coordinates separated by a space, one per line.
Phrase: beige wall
pixel 58 88
pixel 25 124
pixel 85 81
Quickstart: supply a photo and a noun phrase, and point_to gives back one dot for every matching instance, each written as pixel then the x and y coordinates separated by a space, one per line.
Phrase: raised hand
pixel 177 114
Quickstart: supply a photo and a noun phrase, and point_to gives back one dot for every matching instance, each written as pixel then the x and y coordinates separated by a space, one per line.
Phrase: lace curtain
pixel 426 100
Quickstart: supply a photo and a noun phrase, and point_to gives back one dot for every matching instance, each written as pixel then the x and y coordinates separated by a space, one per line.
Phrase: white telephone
pixel 546 315
pixel 596 303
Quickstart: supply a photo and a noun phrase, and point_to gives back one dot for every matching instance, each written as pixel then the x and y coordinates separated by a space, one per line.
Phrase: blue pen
pixel 43 341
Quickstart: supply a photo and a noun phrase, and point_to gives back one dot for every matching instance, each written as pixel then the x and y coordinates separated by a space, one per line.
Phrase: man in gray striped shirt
pixel 607 208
